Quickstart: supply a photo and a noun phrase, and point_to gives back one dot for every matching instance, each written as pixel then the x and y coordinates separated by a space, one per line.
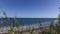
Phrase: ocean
pixel 28 21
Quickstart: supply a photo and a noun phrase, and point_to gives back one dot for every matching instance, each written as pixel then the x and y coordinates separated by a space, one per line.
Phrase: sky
pixel 30 8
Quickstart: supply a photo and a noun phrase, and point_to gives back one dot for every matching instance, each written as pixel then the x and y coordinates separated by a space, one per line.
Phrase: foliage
pixel 0 23
pixel 58 26
pixel 15 24
pixel 11 31
pixel 32 31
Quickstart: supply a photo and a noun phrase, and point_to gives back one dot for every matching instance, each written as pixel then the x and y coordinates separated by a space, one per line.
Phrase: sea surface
pixel 33 22
pixel 28 21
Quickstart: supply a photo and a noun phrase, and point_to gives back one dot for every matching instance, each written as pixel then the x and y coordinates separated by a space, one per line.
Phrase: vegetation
pixel 32 31
pixel 52 28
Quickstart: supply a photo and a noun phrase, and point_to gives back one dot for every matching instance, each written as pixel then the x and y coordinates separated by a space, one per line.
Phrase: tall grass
pixel 51 30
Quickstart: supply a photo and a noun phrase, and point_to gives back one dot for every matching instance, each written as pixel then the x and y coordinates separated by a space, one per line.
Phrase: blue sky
pixel 30 8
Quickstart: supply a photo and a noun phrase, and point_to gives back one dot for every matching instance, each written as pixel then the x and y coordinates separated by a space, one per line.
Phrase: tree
pixel 58 27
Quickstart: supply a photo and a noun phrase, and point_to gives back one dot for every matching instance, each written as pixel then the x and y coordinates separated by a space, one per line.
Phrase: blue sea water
pixel 28 21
